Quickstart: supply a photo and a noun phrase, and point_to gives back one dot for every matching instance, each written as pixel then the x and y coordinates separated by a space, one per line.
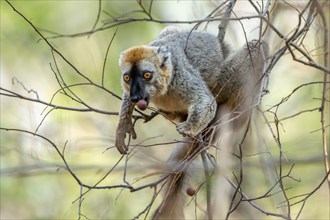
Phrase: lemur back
pixel 200 49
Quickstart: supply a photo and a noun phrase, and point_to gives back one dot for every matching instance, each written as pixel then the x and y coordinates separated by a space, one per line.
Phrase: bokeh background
pixel 34 183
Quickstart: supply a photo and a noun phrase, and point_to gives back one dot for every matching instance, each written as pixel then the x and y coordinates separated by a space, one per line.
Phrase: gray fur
pixel 202 73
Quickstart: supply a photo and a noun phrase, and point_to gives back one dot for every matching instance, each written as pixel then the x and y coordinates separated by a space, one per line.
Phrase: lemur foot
pixel 186 129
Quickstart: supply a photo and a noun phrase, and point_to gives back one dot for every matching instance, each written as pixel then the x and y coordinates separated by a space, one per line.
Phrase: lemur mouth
pixel 142 104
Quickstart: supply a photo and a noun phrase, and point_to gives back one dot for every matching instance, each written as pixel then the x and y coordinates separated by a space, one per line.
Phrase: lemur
pixel 187 75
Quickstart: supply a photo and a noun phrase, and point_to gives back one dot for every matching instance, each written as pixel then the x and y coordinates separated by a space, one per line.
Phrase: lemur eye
pixel 126 77
pixel 147 75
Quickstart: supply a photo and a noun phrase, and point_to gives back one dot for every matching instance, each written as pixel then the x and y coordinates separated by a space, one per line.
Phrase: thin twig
pixel 106 57
pixel 98 15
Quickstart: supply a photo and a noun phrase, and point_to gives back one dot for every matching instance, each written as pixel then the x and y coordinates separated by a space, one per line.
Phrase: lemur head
pixel 146 72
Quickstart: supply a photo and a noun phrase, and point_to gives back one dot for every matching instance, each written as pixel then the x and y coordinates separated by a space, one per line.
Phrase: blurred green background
pixel 34 184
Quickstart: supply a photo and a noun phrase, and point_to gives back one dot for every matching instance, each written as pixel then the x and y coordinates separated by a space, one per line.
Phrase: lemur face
pixel 146 72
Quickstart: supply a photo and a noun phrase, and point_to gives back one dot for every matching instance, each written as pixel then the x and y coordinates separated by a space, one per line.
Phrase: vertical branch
pixel 280 175
pixel 223 25
pixel 240 180
pixel 207 181
pixel 325 93
pixel 80 202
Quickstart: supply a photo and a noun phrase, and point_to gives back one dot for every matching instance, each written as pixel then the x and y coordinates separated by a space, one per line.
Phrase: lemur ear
pixel 121 57
pixel 162 49
pixel 164 53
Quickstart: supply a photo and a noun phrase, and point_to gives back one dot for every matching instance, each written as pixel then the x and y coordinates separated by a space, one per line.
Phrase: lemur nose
pixel 135 98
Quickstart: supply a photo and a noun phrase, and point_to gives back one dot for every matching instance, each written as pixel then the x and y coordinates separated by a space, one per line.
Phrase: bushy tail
pixel 172 206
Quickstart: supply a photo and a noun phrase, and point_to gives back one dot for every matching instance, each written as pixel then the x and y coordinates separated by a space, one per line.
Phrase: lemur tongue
pixel 142 104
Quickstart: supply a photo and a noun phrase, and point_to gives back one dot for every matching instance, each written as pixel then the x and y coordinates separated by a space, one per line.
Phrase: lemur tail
pixel 172 207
